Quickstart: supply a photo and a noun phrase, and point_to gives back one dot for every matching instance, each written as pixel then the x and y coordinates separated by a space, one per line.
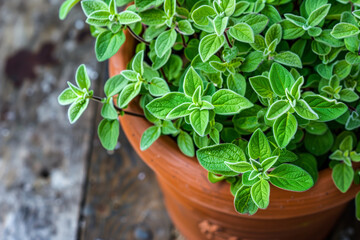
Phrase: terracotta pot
pixel 202 210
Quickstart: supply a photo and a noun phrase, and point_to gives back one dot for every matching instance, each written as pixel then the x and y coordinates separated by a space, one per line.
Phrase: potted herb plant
pixel 263 92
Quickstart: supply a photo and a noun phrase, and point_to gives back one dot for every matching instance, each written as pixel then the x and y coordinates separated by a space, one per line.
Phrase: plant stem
pixel 227 39
pixel 128 113
pixel 137 37
pixel 97 99
pixel 163 73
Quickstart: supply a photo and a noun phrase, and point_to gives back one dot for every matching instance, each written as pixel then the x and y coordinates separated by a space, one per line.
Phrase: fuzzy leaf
pixel 108 132
pixel 227 102
pixel 280 79
pixel 284 129
pixel 164 42
pixel 260 193
pixel 161 107
pixel 107 44
pixel 209 45
pixel 242 32
pixel 259 147
pixel 291 177
pixel 213 158
pixel 344 30
pixel 149 137
pixel 326 109
pixel 343 176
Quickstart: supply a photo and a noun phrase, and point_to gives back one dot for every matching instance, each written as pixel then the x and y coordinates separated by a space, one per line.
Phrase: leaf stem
pixel 163 73
pixel 97 99
pixel 129 113
pixel 137 37
pixel 227 39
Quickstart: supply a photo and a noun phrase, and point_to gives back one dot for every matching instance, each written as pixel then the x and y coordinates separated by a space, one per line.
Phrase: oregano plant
pixel 262 92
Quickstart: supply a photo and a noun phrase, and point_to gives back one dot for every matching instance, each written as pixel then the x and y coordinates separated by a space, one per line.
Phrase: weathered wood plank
pixel 123 200
pixel 41 156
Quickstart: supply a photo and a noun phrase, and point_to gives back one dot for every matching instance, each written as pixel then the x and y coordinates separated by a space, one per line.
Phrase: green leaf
pixel 284 129
pixel 180 111
pixel 213 158
pixel 296 88
pixel 107 44
pixel 344 30
pixel 82 78
pixel 252 62
pixel 243 201
pixel 318 15
pixel 114 85
pixel 90 6
pixel 326 109
pixel 66 8
pixel 130 75
pixel 346 144
pixel 227 102
pixel 308 162
pixel 99 18
pixel 280 79
pixel 67 97
pixel 240 167
pixel 149 137
pixel 236 82
pixel 186 144
pixel 290 30
pixel 297 20
pixel 138 63
pixel 274 32
pixel 108 132
pixel 342 69
pixel 259 147
pixel 209 45
pixel 201 14
pixel 260 193
pixel 158 87
pixel 242 32
pixel 343 176
pixel 161 107
pixel 108 111
pixel 128 17
pixel 220 24
pixel 76 90
pixel 319 145
pixel 288 59
pixel 348 95
pixel 185 27
pixel 170 7
pixel 261 86
pixel 257 22
pixel 164 42
pixel 303 109
pixel 199 119
pixel 316 128
pixel 153 17
pixel 277 109
pixel 291 177
pixel 228 6
pixel 192 81
pixel 77 109
pixel 269 162
pixel 168 128
pixel 128 94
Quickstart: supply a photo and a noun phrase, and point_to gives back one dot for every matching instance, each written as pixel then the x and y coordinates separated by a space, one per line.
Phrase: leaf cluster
pixel 261 91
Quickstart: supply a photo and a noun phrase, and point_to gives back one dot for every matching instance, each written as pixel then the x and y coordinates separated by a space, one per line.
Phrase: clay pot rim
pixel 165 150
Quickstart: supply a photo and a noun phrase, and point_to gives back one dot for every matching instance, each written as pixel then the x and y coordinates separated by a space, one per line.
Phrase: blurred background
pixel 56 181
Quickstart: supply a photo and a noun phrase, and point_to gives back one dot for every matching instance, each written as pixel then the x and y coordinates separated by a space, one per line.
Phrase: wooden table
pixel 56 181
